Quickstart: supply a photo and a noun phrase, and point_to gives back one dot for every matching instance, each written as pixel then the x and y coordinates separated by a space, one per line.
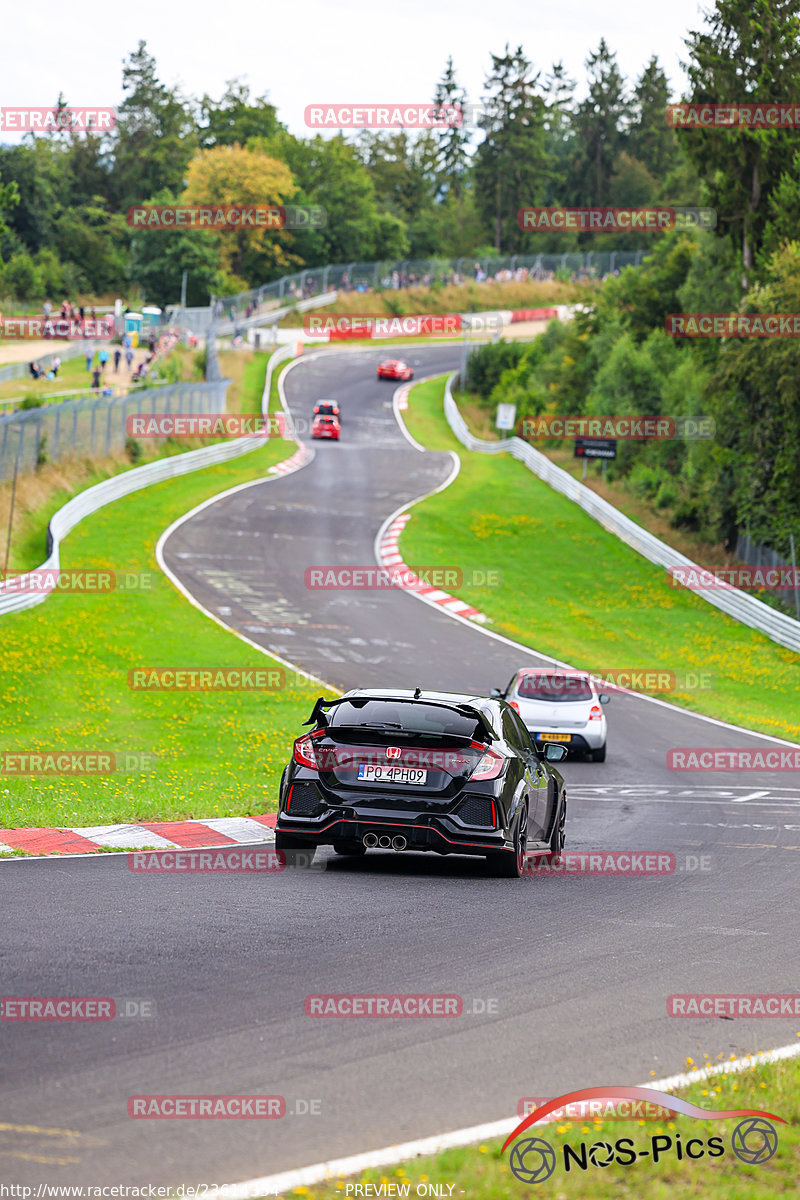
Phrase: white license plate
pixel 379 774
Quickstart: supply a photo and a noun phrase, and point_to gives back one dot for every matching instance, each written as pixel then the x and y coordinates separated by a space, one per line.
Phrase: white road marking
pixel 354 1164
pixel 720 930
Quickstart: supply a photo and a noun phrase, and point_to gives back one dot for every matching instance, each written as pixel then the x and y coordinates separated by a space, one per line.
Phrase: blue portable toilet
pixel 133 326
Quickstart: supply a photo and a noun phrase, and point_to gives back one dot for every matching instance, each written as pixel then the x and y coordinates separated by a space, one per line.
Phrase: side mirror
pixel 604 698
pixel 554 753
pixel 496 694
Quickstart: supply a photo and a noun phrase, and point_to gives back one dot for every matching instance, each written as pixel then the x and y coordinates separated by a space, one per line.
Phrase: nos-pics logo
pixel 533 1160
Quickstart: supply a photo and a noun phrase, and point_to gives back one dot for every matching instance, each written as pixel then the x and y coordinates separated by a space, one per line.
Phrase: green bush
pixel 667 495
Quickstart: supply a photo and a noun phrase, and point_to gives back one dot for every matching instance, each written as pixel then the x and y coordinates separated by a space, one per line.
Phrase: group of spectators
pixel 70 312
pixel 39 372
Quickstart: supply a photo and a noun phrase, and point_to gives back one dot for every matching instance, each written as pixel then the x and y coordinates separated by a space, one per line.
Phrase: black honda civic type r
pixel 403 770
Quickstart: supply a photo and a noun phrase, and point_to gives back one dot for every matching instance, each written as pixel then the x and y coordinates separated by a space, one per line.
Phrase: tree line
pixel 616 358
pixel 389 194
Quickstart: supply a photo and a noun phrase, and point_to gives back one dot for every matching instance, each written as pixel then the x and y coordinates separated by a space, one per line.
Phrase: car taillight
pixel 513 704
pixel 488 766
pixel 304 752
pixel 595 712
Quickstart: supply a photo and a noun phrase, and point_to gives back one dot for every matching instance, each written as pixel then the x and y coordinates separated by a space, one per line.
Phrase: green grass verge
pixel 64 678
pixel 72 374
pixel 482 1172
pixel 574 591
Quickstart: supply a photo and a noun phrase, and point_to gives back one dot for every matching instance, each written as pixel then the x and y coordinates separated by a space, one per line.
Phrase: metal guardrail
pixel 96 497
pixel 783 629
pixel 92 425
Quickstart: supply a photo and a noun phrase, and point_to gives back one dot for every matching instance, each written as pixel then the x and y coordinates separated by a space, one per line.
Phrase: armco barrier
pixel 92 424
pixel 94 498
pixel 783 629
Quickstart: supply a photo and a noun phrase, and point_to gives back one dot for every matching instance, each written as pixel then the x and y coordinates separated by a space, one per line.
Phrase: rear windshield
pixel 403 715
pixel 553 688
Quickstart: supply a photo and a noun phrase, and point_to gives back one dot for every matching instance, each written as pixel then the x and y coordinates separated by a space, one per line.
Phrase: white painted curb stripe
pixel 389 1155
pixel 126 837
pixel 241 829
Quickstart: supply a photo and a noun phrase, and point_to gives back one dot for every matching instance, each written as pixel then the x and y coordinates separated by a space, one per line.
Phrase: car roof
pixel 572 672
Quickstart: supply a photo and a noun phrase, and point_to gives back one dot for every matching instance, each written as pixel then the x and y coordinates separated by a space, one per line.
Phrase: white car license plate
pixel 379 774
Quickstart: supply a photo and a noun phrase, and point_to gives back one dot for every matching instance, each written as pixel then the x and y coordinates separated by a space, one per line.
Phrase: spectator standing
pixel 117 357
pixel 56 364
pixel 103 357
pixel 89 357
pixel 96 378
pixel 129 357
pixel 47 308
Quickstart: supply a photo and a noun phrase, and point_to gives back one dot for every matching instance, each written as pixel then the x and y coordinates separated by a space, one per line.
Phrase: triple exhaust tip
pixel 371 840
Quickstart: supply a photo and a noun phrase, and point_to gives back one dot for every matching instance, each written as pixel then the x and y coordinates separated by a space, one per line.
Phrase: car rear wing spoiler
pixel 320 717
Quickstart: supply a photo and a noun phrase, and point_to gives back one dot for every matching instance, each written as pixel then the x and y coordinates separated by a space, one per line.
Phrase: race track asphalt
pixel 564 978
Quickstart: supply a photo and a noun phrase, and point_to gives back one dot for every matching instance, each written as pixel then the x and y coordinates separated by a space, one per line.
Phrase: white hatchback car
pixel 560 706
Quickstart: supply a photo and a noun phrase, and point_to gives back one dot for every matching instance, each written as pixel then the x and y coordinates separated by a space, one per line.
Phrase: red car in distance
pixel 325 427
pixel 394 368
pixel 327 408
